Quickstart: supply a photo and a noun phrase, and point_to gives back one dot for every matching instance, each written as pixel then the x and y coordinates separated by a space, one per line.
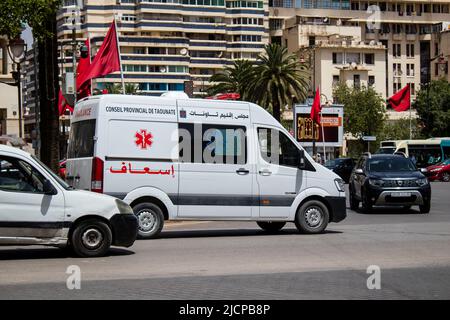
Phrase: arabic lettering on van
pixel 124 169
pixel 228 115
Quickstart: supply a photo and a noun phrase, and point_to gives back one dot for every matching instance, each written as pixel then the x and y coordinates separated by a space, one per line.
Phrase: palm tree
pixel 115 88
pixel 279 79
pixel 232 79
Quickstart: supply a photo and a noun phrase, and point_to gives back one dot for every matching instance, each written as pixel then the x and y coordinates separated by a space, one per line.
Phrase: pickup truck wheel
pixel 91 238
pixel 150 219
pixel 312 217
pixel 271 226
pixel 426 207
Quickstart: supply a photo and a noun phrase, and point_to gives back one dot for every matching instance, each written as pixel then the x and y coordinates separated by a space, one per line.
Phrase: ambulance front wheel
pixel 150 218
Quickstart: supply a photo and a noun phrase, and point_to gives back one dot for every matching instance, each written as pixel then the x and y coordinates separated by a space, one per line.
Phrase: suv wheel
pixel 354 203
pixel 367 206
pixel 150 220
pixel 426 207
pixel 312 217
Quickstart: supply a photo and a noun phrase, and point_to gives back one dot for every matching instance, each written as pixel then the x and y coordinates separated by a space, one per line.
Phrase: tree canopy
pixel 14 14
pixel 433 109
pixel 364 110
pixel 233 79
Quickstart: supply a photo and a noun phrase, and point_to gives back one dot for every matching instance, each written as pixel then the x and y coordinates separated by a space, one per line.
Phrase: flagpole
pixel 90 61
pixel 120 58
pixel 323 137
pixel 323 134
pixel 410 117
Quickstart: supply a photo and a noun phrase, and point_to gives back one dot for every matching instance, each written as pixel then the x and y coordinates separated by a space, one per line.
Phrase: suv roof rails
pixel 367 154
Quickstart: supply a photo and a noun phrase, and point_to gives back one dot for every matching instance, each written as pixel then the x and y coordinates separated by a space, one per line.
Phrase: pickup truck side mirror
pixel 301 159
pixel 359 171
pixel 49 189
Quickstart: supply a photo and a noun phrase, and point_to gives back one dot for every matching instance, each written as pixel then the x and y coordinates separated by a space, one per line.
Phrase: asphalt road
pixel 235 260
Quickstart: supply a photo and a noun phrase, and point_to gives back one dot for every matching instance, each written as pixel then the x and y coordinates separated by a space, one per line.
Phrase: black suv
pixel 341 166
pixel 385 180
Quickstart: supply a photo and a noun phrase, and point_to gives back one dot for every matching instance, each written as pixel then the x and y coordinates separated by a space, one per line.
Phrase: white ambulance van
pixel 38 208
pixel 196 159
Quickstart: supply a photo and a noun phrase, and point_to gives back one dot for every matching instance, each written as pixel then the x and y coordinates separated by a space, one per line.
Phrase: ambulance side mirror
pixel 301 159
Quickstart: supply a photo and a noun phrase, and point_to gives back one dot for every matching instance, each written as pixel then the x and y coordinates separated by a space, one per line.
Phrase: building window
pixel 354 6
pixel 356 81
pixel 397 86
pixel 369 58
pixel 371 81
pixel 410 69
pixel 335 80
pixel 128 17
pixel 138 50
pixel 396 50
pixel 275 24
pixel 410 50
pixel 337 58
pixel 397 69
pixel 353 57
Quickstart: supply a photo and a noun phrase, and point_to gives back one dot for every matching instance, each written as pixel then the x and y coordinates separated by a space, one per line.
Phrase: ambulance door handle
pixel 242 171
pixel 265 172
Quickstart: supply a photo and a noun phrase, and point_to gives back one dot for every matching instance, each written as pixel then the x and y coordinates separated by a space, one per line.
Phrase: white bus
pixel 423 152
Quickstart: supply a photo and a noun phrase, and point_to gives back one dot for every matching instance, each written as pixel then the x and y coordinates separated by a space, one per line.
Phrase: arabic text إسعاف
pixel 145 170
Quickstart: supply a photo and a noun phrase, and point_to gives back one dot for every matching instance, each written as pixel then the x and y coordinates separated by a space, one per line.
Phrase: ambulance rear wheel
pixel 271 226
pixel 150 219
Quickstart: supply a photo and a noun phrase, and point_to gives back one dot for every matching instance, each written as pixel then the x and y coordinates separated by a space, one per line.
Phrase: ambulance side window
pixel 211 143
pixel 277 148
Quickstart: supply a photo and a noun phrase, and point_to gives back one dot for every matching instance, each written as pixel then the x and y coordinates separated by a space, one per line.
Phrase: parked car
pixel 38 207
pixel 342 167
pixel 388 180
pixel 440 171
pixel 197 159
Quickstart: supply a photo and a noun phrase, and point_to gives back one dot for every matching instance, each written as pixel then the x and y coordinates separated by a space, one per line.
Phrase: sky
pixel 28 36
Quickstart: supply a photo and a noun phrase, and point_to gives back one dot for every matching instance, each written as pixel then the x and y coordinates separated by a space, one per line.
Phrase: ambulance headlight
pixel 123 207
pixel 339 184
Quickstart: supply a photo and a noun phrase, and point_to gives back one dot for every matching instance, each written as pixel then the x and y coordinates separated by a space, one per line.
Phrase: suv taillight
pixel 97 175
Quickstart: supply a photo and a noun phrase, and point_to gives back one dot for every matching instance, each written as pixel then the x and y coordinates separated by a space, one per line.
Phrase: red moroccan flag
pixel 106 60
pixel 401 101
pixel 84 89
pixel 316 108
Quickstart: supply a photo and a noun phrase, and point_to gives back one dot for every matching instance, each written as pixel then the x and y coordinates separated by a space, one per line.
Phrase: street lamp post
pixel 16 49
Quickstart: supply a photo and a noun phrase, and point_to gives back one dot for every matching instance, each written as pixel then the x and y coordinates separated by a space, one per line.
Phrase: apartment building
pixel 168 44
pixel 336 54
pixel 441 53
pixel 404 28
pixel 30 93
pixel 9 111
